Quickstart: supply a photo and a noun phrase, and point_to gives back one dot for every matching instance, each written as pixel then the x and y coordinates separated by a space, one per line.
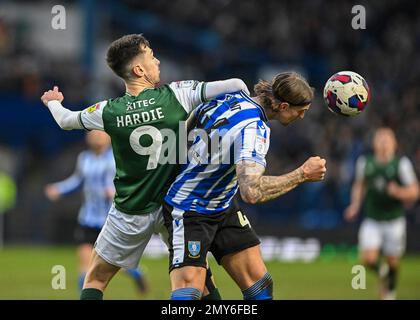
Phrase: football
pixel 346 93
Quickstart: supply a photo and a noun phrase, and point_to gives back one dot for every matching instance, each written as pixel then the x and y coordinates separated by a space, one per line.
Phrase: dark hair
pixel 288 87
pixel 122 51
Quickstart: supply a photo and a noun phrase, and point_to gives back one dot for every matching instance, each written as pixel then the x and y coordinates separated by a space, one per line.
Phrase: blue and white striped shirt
pixel 208 182
pixel 95 173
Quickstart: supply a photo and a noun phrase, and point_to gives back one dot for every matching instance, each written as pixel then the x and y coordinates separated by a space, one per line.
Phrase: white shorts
pixel 124 237
pixel 390 236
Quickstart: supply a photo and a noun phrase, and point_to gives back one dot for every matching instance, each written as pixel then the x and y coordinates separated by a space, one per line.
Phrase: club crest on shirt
pixel 260 144
pixel 194 249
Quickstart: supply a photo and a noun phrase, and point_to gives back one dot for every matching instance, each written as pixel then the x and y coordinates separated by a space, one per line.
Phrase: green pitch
pixel 25 273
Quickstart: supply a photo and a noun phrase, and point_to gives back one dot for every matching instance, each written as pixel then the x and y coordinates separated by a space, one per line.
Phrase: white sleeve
pixel 191 93
pixel 360 169
pixel 91 117
pixel 406 172
pixel 252 143
pixel 215 88
pixel 65 118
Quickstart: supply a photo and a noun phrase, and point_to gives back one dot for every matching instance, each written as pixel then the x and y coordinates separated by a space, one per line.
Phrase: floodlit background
pixel 207 40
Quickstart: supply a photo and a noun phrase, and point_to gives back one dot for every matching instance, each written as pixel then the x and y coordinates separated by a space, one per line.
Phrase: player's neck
pixel 268 111
pixel 135 87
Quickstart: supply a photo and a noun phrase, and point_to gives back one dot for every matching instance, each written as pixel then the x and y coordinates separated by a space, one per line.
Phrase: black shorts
pixel 85 235
pixel 192 235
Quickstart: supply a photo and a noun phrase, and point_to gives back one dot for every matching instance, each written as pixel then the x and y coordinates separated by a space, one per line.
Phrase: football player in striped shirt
pixel 135 122
pixel 94 174
pixel 232 139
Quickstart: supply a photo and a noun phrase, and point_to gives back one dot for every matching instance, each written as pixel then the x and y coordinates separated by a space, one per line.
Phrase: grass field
pixel 25 273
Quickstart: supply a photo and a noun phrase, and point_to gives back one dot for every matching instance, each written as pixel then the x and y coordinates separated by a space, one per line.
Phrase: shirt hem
pixel 137 212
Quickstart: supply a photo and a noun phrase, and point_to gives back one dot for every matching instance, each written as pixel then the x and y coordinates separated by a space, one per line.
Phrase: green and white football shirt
pixel 145 131
pixel 378 204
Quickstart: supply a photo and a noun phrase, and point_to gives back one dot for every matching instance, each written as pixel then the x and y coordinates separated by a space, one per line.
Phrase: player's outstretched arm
pixel 215 88
pixel 193 93
pixel 65 118
pixel 257 188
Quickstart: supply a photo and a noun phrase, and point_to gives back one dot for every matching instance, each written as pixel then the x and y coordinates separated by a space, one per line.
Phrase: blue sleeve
pixel 253 142
pixel 73 182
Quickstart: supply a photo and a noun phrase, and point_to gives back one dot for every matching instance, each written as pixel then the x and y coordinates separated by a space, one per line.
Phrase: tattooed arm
pixel 257 188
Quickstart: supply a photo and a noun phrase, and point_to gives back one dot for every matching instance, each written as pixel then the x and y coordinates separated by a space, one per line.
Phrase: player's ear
pixel 138 70
pixel 283 105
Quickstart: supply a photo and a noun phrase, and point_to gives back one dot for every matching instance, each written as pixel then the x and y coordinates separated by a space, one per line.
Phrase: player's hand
pixel 52 193
pixel 314 169
pixel 393 189
pixel 51 95
pixel 351 212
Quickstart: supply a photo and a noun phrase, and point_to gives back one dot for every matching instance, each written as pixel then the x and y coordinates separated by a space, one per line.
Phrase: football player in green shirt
pixel 140 124
pixel 384 183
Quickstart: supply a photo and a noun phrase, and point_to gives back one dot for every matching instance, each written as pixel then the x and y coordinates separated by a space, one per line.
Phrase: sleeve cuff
pixel 54 103
pixel 203 92
pixel 251 159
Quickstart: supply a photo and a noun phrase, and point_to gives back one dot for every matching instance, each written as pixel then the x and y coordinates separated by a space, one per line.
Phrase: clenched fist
pixel 314 169
pixel 51 95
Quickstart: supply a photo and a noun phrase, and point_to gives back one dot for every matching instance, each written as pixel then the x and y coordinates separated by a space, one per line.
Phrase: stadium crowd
pixel 242 39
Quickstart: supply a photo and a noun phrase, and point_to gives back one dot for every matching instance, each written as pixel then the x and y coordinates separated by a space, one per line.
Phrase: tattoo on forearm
pixel 258 188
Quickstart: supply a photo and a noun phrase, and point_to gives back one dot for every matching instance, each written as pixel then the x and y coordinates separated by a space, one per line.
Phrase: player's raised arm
pixel 89 118
pixel 257 188
pixel 65 118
